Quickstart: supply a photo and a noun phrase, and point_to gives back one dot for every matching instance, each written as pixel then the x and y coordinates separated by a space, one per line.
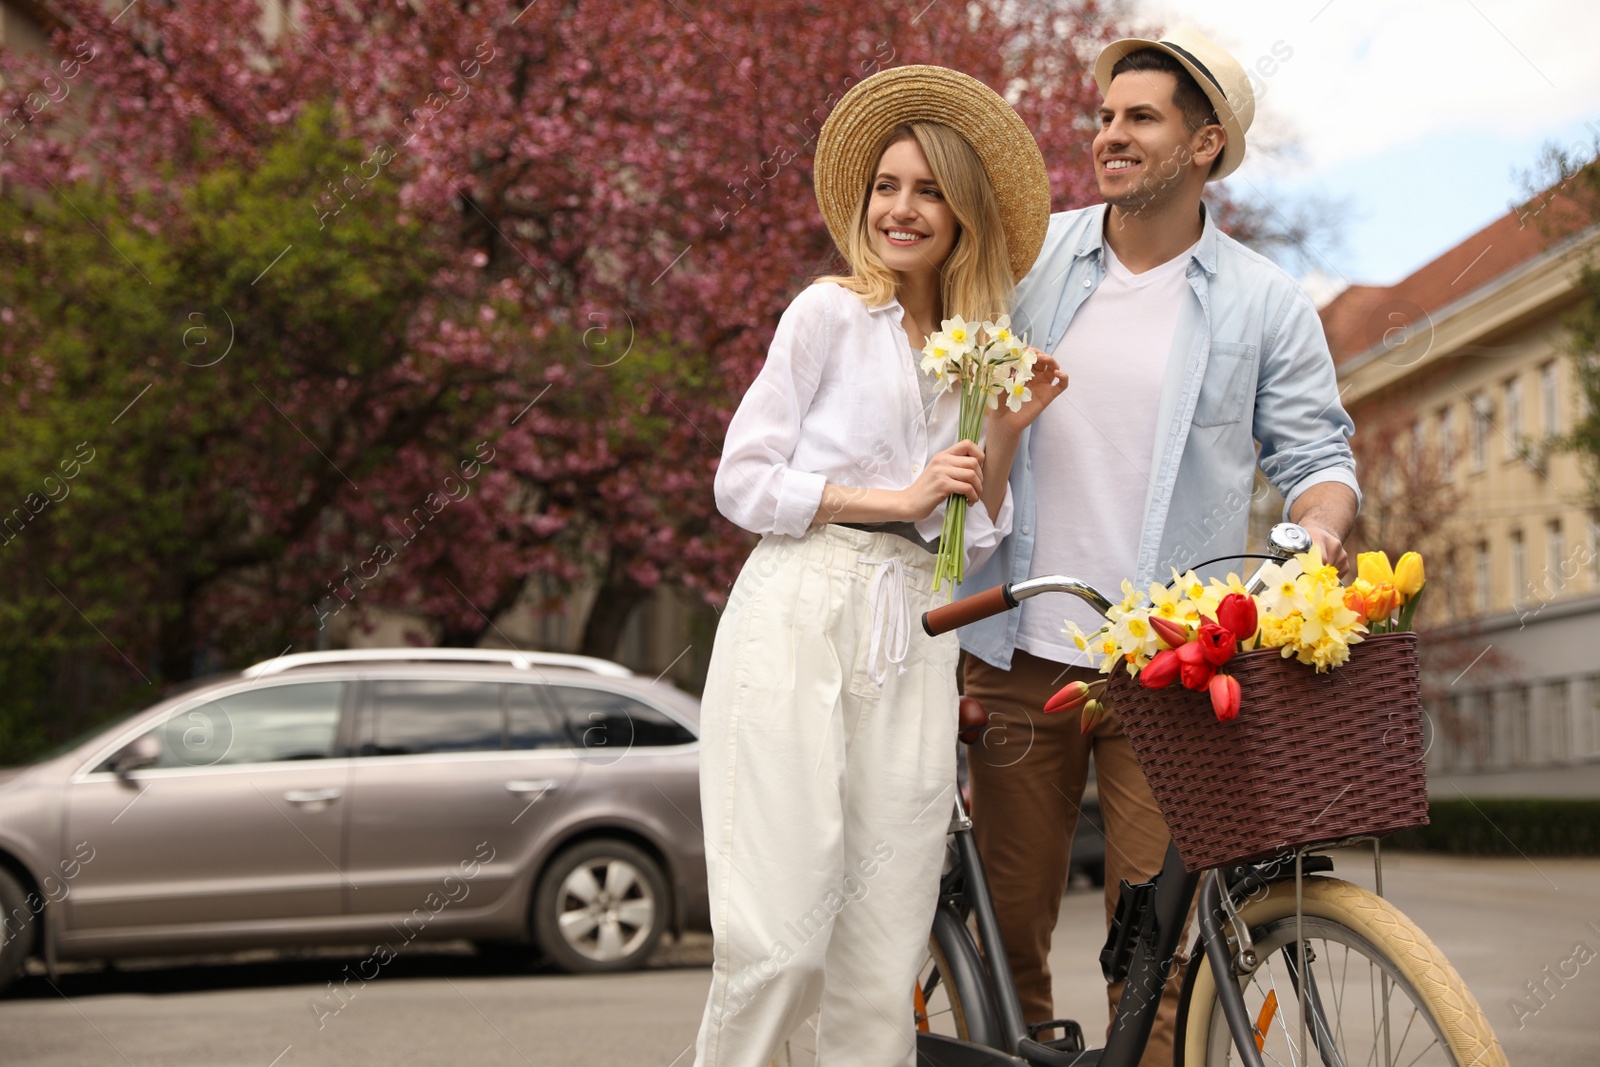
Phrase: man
pixel 1187 352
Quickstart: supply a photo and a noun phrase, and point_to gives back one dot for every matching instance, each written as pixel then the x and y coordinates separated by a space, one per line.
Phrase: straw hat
pixel 1218 74
pixel 847 149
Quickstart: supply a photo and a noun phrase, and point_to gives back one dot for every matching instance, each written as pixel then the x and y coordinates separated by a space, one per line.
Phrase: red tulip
pixel 1225 697
pixel 1174 634
pixel 1217 642
pixel 1068 697
pixel 1194 670
pixel 1238 613
pixel 1161 671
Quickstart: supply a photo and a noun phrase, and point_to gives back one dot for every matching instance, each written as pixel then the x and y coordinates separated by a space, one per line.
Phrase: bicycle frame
pixel 1006 1039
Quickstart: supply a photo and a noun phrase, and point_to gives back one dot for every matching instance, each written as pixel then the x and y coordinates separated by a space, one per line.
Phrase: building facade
pixel 1460 377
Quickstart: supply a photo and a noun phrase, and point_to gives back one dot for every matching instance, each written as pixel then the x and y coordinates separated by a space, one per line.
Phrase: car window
pixel 602 720
pixel 412 717
pixel 257 725
pixel 531 722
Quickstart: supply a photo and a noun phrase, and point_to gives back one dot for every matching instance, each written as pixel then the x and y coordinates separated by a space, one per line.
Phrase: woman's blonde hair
pixel 976 276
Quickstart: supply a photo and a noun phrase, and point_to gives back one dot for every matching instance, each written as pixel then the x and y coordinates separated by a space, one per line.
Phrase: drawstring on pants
pixel 889 611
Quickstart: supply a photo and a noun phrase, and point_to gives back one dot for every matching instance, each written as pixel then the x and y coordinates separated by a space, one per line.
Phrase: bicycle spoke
pixel 1393 1028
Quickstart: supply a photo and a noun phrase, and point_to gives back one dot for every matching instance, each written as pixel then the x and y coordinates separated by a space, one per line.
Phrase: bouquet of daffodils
pixel 985 361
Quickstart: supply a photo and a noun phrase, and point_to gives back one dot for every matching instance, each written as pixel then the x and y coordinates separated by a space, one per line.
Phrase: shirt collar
pixel 892 305
pixel 1204 253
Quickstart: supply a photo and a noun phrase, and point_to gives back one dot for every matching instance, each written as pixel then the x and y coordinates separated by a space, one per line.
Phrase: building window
pixel 1447 442
pixel 1513 426
pixel 1556 741
pixel 1519 724
pixel 1482 586
pixel 1550 398
pixel 1479 431
pixel 1419 443
pixel 1587 741
pixel 1555 550
pixel 1519 568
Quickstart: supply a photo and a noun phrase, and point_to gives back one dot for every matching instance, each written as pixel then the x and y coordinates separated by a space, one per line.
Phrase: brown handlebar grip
pixel 971 609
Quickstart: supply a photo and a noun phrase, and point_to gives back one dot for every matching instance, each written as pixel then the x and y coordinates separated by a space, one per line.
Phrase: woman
pixel 829 719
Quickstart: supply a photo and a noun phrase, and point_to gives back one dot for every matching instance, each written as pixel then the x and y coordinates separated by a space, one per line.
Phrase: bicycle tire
pixel 1339 913
pixel 958 970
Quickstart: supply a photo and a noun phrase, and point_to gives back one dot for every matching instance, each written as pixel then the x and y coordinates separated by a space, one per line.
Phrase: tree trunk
pixel 613 606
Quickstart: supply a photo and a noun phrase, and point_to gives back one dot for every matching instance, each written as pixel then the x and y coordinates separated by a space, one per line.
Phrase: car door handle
pixel 522 787
pixel 312 796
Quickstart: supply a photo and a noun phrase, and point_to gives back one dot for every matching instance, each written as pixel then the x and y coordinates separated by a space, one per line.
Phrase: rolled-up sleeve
pixel 1302 427
pixel 756 488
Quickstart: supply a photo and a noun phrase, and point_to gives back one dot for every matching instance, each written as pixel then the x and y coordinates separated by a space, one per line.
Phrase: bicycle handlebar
pixel 1285 540
pixel 1003 598
pixel 971 609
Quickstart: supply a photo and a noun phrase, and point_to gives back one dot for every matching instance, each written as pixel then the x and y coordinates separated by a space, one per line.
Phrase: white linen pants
pixel 826 797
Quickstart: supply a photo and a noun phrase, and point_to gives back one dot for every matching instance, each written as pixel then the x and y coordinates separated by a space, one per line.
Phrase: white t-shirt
pixel 1091 448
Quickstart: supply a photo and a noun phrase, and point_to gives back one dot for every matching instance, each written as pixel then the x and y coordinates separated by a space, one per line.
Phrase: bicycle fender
pixel 970 976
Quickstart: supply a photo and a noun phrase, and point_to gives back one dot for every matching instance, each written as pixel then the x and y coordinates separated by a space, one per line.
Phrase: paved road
pixel 1500 921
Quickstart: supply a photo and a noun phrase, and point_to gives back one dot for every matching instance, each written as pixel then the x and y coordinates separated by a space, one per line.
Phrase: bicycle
pixel 1376 990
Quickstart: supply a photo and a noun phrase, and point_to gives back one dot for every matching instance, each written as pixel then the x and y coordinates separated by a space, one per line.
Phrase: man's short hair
pixel 1191 101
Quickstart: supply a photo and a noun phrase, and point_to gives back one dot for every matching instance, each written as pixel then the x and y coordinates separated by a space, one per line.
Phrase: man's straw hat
pixel 1219 75
pixel 848 147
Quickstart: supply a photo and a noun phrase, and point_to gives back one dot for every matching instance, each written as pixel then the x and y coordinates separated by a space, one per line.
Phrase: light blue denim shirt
pixel 1249 367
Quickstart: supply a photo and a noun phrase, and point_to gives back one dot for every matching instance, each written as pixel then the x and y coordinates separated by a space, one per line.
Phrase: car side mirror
pixel 142 752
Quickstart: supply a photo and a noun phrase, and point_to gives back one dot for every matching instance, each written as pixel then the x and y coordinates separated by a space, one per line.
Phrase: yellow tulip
pixel 1408 576
pixel 1374 567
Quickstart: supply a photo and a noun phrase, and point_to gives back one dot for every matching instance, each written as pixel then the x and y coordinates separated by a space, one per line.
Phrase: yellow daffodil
pixel 1234 584
pixel 1130 596
pixel 1165 602
pixel 1079 639
pixel 1311 563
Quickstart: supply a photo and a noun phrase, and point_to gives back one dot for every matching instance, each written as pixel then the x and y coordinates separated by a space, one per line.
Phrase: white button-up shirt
pixel 837 402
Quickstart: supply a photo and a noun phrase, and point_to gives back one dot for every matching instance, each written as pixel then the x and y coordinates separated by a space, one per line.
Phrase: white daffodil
pixel 1133 633
pixel 962 338
pixel 1017 393
pixel 1282 595
pixel 936 361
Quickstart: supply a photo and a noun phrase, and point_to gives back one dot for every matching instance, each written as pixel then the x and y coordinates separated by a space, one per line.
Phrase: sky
pixel 1415 116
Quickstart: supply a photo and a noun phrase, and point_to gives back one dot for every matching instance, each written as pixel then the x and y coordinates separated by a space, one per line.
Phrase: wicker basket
pixel 1312 758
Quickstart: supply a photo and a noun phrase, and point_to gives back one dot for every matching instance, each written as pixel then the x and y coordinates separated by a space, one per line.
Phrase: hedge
pixel 1493 826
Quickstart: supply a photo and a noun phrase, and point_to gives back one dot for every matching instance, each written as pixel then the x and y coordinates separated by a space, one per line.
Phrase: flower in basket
pixel 1386 590
pixel 1188 630
pixel 985 361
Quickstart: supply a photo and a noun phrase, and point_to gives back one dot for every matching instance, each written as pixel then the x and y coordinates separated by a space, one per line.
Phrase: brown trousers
pixel 1028 775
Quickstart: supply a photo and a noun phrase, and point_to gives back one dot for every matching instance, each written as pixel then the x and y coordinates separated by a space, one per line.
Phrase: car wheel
pixel 600 906
pixel 16 929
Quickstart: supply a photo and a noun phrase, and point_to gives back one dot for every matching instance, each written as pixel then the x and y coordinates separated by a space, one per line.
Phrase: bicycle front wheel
pixel 1378 992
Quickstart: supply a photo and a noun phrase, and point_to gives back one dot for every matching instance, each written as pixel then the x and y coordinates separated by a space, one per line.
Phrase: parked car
pixel 369 797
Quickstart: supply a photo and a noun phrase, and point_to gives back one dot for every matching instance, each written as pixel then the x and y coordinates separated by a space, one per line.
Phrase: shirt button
pixel 1086 283
pixel 1025 529
pixel 916 468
